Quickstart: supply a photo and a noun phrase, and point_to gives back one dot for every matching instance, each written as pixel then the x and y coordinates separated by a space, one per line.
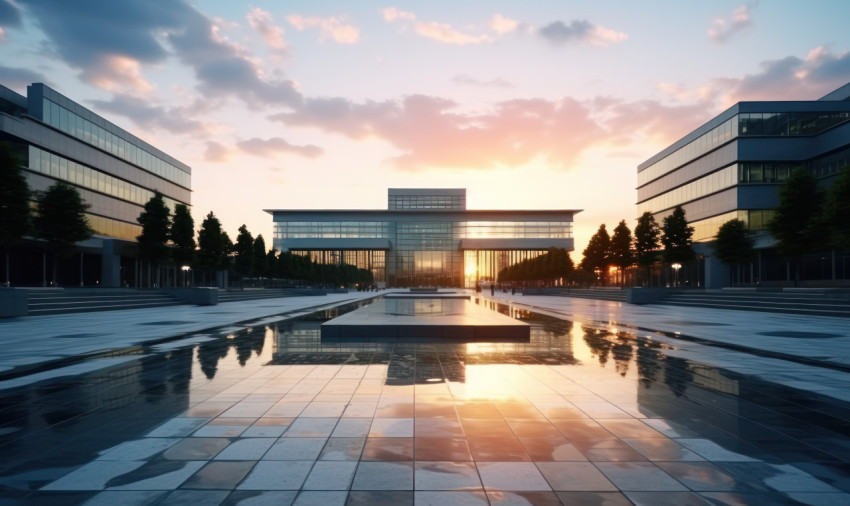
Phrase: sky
pixel 326 104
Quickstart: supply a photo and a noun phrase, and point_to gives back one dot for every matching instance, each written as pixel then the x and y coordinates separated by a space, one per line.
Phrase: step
pixel 90 308
pixel 763 303
pixel 792 310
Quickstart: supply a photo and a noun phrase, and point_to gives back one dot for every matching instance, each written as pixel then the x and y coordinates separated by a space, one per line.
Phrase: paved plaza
pixel 243 403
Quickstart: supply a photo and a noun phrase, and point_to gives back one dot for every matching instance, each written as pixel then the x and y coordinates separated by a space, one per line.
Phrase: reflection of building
pixel 732 166
pixel 425 237
pixel 114 171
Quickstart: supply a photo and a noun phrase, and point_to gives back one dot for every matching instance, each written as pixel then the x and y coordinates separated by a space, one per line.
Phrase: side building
pixel 425 237
pixel 732 167
pixel 114 171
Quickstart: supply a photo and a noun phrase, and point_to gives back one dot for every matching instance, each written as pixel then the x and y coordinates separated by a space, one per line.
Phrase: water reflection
pixel 585 386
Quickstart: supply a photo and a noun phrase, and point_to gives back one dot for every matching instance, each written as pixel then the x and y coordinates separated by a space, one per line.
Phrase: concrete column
pixel 716 273
pixel 110 265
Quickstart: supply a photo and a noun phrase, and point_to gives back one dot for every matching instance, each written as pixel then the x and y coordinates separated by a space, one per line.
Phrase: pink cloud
pixel 722 29
pixel 501 24
pixel 442 32
pixel 392 14
pixel 263 23
pixel 331 28
pixel 276 146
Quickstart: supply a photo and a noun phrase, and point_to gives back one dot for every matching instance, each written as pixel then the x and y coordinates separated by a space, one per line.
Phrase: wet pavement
pixel 583 413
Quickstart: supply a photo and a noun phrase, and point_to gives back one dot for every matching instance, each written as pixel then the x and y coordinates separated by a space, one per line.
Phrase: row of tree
pixel 553 267
pixel 58 217
pixel 170 241
pixel 622 250
pixel 167 240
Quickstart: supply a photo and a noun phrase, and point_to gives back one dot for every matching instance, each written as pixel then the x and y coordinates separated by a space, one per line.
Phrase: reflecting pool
pixel 268 412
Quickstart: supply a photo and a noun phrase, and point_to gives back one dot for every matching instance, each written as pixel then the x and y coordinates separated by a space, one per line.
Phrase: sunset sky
pixel 537 105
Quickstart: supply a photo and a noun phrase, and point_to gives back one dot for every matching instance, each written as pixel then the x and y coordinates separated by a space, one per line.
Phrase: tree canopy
pixel 155 220
pixel 182 236
pixel 61 219
pixel 646 240
pixel 212 249
pixel 244 263
pixel 621 252
pixel 14 198
pixel 261 261
pixel 796 225
pixel 597 252
pixel 837 210
pixel 734 244
pixel 676 236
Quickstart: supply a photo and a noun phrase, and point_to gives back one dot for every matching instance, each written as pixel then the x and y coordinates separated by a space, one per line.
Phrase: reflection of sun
pixel 470 270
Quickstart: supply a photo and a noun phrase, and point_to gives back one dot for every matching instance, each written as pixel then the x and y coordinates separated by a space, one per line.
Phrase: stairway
pixel 80 300
pixel 267 293
pixel 803 302
pixel 612 294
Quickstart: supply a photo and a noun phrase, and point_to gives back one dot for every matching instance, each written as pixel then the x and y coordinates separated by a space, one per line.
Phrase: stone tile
pixel 311 427
pixel 511 476
pixel 352 427
pixel 446 476
pixel 545 449
pixel 594 498
pixel 454 498
pixel 299 448
pixel 183 497
pixel 220 431
pixel 662 449
pixel 391 427
pixel 666 499
pixel 196 448
pixel 260 498
pixel 177 427
pixel 639 476
pixel 323 498
pixel 575 476
pixel 277 475
pixel 441 449
pixel 94 475
pixel 246 449
pixel 506 498
pixel 388 449
pixel 343 448
pixel 139 449
pixel 126 498
pixel 219 475
pixel 380 498
pixel 330 475
pixel 383 476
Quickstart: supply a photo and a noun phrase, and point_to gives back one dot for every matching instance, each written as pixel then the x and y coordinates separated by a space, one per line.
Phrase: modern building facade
pixel 114 171
pixel 425 237
pixel 733 165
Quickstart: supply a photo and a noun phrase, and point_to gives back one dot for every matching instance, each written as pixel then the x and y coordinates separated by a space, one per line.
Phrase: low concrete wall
pixel 642 295
pixel 200 296
pixel 13 302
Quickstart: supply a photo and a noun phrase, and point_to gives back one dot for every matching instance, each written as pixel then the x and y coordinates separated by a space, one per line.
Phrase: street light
pixel 676 268
pixel 185 270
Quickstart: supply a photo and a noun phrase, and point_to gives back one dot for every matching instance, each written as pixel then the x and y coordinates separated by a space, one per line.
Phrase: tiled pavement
pixel 579 416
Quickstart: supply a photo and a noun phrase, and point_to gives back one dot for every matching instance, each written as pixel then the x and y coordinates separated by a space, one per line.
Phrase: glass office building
pixel 426 237
pixel 732 166
pixel 114 171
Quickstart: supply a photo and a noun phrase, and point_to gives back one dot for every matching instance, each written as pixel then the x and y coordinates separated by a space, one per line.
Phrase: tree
pixel 261 261
pixel 212 250
pixel 646 241
pixel 676 236
pixel 797 225
pixel 155 220
pixel 734 245
pixel 14 201
pixel 244 252
pixel 272 263
pixel 597 252
pixel 182 236
pixel 622 254
pixel 837 210
pixel 61 221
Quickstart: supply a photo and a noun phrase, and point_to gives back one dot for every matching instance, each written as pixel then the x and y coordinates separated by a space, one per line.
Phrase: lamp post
pixel 676 268
pixel 185 270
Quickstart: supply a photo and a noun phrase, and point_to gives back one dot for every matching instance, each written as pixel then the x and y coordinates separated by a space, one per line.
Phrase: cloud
pixel 276 146
pixel 10 14
pixel 110 42
pixel 18 78
pixel 216 152
pixel 580 30
pixel 722 29
pixel 502 25
pixel 442 32
pixel 391 14
pixel 142 113
pixel 471 81
pixel 331 28
pixel 430 132
pixel 263 23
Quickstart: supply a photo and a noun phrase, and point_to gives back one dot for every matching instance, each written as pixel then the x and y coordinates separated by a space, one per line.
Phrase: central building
pixel 425 237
